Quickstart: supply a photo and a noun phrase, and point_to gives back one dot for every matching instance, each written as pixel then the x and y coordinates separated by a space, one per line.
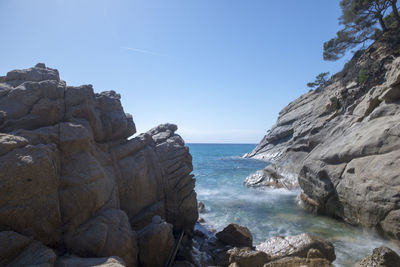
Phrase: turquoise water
pixel 220 172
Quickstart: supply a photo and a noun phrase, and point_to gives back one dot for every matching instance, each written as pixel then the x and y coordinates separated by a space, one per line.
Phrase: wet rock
pixel 383 257
pixel 156 243
pixel 299 262
pixel 247 257
pixel 73 261
pixel 201 206
pixel 297 246
pixel 236 235
pixel 270 177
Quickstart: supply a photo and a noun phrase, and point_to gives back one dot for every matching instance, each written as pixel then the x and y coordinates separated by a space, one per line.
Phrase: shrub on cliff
pixel 320 79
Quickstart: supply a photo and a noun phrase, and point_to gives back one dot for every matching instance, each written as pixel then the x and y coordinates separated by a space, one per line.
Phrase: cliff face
pixel 72 181
pixel 342 141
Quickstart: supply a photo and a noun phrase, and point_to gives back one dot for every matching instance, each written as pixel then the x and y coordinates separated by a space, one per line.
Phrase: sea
pixel 220 172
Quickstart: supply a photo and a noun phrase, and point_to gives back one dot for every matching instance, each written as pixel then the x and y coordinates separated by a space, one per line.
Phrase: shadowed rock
pixel 383 257
pixel 236 235
pixel 72 180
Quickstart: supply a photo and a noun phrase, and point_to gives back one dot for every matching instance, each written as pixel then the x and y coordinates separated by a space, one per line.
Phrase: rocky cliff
pixel 72 185
pixel 342 141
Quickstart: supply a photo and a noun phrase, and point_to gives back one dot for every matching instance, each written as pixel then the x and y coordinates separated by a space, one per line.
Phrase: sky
pixel 219 69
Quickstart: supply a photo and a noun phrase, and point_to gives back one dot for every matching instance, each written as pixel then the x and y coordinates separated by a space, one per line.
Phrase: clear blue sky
pixel 220 69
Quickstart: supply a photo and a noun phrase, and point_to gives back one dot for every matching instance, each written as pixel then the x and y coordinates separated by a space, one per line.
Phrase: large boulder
pixel 236 235
pixel 382 257
pixel 29 198
pixel 299 262
pixel 18 250
pixel 72 180
pixel 297 246
pixel 107 234
pixel 156 243
pixel 247 257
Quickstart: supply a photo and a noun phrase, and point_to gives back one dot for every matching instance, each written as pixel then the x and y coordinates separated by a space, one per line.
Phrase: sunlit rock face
pixel 70 177
pixel 342 142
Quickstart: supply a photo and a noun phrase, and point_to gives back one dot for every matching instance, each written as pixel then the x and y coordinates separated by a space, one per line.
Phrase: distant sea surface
pixel 220 172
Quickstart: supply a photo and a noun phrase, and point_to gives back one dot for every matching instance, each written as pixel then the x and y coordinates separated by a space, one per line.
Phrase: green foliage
pixel 320 79
pixel 360 19
pixel 335 103
pixel 363 76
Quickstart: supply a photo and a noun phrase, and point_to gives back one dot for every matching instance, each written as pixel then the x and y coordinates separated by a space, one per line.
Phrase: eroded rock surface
pixel 72 180
pixel 342 141
pixel 382 257
pixel 297 246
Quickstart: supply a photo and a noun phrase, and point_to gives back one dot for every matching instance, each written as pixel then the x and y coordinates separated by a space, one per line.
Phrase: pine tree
pixel 360 19
pixel 320 79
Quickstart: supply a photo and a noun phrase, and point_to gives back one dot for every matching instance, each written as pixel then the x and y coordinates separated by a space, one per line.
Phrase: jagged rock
pixel 247 257
pixel 18 250
pixel 299 262
pixel 270 177
pixel 382 257
pixel 342 142
pixel 201 207
pixel 156 243
pixel 297 246
pixel 70 177
pixel 73 261
pixel 236 235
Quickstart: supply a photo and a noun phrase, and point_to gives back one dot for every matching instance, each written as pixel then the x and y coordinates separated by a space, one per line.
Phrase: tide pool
pixel 220 172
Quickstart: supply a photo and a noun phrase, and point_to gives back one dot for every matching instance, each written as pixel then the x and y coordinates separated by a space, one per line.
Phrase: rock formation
pixel 290 251
pixel 236 235
pixel 342 141
pixel 71 182
pixel 382 257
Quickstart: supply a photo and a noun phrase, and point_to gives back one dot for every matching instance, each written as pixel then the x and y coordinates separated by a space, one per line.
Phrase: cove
pixel 220 171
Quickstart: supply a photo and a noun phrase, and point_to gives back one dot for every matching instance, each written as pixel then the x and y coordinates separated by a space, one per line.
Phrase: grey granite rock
pixel 342 142
pixel 297 246
pixel 70 177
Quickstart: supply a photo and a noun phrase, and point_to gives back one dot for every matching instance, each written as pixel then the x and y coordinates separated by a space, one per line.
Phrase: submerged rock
pixel 302 246
pixel 236 235
pixel 201 207
pixel 270 177
pixel 381 257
